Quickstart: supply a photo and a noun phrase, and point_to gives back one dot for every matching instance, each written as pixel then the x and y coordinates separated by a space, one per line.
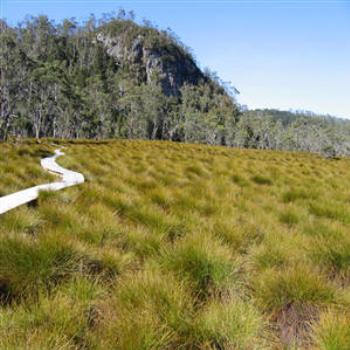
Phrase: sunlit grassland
pixel 180 246
pixel 20 166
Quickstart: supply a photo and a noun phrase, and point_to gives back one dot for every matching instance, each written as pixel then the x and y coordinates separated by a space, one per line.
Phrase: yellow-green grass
pixel 20 166
pixel 170 246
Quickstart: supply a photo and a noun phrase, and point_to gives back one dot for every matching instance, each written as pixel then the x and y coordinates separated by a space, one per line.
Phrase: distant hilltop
pixel 106 79
pixel 153 56
pixel 116 78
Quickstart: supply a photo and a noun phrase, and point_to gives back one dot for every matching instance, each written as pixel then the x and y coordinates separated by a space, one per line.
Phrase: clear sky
pixel 277 53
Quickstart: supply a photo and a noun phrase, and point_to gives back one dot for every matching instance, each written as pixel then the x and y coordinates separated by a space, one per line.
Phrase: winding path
pixel 68 178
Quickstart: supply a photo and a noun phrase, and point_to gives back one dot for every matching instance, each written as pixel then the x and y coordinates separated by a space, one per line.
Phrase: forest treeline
pixel 293 131
pixel 59 80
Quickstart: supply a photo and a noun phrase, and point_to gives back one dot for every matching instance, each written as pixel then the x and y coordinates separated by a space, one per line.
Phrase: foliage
pixel 293 131
pixel 61 81
pixel 115 78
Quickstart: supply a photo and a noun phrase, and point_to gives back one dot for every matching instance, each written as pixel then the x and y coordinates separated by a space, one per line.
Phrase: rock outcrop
pixel 152 59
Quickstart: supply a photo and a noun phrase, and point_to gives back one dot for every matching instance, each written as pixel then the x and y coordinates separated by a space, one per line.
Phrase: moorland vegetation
pixel 171 245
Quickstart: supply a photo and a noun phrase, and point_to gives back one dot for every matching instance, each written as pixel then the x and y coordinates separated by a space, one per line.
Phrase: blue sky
pixel 278 53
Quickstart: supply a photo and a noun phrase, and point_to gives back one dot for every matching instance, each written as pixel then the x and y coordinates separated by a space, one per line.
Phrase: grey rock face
pixel 172 69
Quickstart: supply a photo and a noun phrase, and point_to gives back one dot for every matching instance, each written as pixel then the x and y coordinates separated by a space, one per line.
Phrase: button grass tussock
pixel 175 246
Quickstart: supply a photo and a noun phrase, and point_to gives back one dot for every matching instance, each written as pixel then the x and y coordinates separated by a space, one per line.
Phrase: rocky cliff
pixel 151 55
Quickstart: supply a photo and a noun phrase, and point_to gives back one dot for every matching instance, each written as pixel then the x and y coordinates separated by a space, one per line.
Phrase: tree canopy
pixel 64 81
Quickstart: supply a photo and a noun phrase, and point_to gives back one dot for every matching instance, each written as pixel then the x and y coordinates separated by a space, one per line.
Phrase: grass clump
pixel 146 313
pixel 61 320
pixel 294 285
pixel 239 180
pixel 205 262
pixel 332 211
pixel 20 166
pixel 174 246
pixel 332 332
pixel 293 297
pixel 22 221
pixel 261 180
pixel 236 325
pixel 106 263
pixel 289 217
pixel 296 194
pixel 26 267
pixel 333 253
pixel 276 252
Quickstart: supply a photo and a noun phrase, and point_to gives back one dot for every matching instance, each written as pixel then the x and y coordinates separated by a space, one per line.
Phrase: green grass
pixel 333 331
pixel 169 245
pixel 203 261
pixel 20 166
pixel 28 267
